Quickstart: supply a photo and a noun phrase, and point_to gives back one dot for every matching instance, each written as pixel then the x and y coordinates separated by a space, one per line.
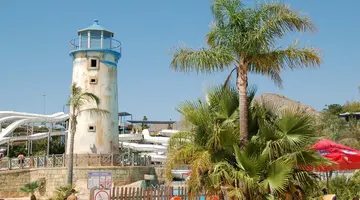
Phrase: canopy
pixel 344 158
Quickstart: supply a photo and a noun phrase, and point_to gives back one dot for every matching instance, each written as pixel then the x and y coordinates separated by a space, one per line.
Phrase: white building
pixel 95 56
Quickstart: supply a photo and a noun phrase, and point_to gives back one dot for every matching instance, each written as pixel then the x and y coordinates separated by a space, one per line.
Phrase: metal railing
pixel 80 160
pixel 96 43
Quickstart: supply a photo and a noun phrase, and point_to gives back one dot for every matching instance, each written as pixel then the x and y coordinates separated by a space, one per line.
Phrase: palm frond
pixel 274 20
pixel 180 156
pixel 222 9
pixel 180 139
pixel 75 90
pixel 203 60
pixel 273 72
pixel 200 164
pixel 94 112
pixel 279 173
pixel 30 188
pixel 90 97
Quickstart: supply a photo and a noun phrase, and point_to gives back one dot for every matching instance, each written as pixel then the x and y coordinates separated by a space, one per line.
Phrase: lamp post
pixel 44 95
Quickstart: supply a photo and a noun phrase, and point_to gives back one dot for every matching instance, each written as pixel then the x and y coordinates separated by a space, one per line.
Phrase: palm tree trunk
pixel 241 83
pixel 71 154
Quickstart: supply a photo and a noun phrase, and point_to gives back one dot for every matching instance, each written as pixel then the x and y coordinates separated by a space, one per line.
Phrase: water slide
pixel 156 147
pixel 144 147
pixel 36 136
pixel 18 119
pixel 21 114
pixel 154 140
pixel 57 117
pixel 168 132
pixel 130 137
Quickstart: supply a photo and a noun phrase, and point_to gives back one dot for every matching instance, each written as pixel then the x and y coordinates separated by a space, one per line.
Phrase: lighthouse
pixel 95 55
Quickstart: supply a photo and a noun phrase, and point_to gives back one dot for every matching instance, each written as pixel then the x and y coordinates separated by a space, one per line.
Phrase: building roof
pixel 150 122
pixel 348 113
pixel 124 114
pixel 96 27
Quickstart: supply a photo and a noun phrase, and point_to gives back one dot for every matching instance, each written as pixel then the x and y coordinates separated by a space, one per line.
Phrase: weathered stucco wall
pixel 105 137
pixel 12 181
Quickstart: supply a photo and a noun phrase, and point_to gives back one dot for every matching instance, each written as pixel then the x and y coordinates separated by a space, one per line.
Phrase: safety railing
pixel 95 43
pixel 80 160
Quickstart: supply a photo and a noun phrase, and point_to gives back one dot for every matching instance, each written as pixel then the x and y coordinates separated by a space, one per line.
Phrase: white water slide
pixel 155 146
pixel 18 119
pixel 36 136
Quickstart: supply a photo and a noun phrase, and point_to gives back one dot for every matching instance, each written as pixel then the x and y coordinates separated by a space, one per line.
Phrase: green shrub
pixel 62 192
pixel 30 188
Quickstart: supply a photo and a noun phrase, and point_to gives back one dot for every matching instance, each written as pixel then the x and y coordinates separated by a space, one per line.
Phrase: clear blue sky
pixel 35 36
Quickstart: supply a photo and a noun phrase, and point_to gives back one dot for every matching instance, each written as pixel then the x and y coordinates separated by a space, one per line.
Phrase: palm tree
pixel 244 40
pixel 62 192
pixel 214 131
pixel 272 163
pixel 78 99
pixel 30 188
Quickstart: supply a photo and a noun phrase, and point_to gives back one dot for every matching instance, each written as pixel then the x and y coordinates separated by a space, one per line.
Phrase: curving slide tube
pixel 57 117
pixel 36 136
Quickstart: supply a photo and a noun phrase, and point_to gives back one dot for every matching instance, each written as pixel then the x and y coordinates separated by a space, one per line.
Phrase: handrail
pixel 80 160
pixel 95 42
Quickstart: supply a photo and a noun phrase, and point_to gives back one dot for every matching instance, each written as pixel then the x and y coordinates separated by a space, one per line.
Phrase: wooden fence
pixel 157 193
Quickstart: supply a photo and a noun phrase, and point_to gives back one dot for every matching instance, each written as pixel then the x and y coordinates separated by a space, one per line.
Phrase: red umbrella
pixel 345 157
pixel 330 146
pixel 188 173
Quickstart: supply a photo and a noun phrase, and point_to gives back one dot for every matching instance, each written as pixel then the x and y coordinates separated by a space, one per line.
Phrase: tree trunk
pixel 71 153
pixel 241 83
pixel 32 197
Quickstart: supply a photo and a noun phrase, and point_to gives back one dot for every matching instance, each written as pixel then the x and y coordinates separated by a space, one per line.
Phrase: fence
pixel 159 193
pixel 80 160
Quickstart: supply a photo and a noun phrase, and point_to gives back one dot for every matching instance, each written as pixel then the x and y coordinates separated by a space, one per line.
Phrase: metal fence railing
pixel 88 43
pixel 80 160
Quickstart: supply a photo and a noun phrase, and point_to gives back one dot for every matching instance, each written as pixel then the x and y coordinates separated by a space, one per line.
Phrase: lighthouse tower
pixel 95 56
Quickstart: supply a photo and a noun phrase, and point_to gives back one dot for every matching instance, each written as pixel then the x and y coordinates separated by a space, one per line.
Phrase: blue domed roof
pixel 96 27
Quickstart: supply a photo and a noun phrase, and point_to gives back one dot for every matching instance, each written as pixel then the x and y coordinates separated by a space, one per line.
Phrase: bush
pixel 345 188
pixel 30 188
pixel 62 192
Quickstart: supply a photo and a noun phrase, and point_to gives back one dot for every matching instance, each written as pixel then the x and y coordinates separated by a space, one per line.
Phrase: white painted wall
pixel 105 139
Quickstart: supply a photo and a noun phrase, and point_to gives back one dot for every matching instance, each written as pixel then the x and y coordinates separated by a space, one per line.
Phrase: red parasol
pixel 345 157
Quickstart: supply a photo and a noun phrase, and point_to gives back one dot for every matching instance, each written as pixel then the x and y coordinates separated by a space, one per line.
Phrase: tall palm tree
pixel 78 99
pixel 244 40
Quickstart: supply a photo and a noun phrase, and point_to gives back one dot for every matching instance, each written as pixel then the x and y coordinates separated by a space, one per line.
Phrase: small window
pixel 93 63
pixel 93 81
pixel 91 128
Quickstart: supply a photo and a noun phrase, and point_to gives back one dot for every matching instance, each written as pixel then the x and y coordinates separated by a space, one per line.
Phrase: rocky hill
pixel 284 102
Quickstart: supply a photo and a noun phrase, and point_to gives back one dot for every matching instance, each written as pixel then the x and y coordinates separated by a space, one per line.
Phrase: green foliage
pixel 336 128
pixel 334 109
pixel 31 188
pixel 244 40
pixel 144 125
pixel 15 150
pixel 39 147
pixel 62 192
pixel 345 188
pixel 351 106
pixel 272 161
pixel 78 99
pixel 249 35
